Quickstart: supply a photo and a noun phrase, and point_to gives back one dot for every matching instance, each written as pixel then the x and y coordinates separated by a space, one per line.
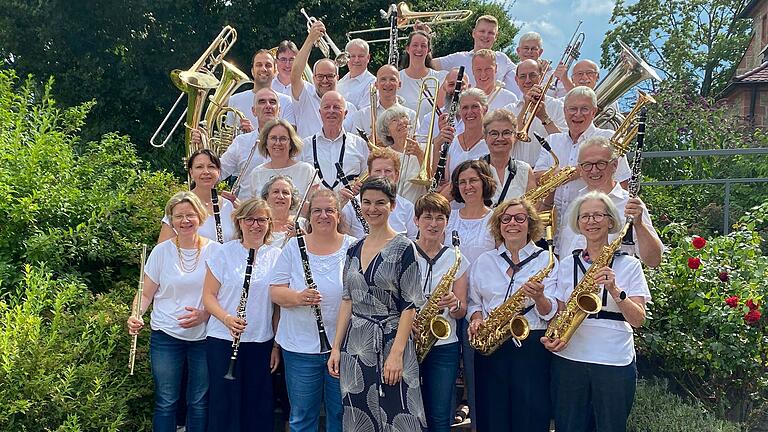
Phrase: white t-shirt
pixel 529 151
pixel 429 280
pixel 244 102
pixel 409 90
pixel 474 235
pixel 603 341
pixel 356 90
pixel 489 283
pixel 208 228
pixel 517 184
pixel 457 155
pixel 228 266
pixel 307 111
pixel 297 330
pixel 355 161
pixel 300 173
pixel 500 98
pixel 401 219
pixel 177 289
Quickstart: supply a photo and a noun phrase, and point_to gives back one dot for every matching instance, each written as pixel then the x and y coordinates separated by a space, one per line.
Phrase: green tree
pixel 696 41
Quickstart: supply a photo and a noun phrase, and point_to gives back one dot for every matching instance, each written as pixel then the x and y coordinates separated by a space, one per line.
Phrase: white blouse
pixel 297 330
pixel 228 267
pixel 474 234
pixel 517 184
pixel 457 155
pixel 430 280
pixel 177 289
pixel 603 341
pixel 489 283
pixel 208 228
pixel 300 174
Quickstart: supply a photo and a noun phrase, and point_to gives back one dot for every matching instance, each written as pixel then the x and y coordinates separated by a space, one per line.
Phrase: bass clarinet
pixel 637 165
pixel 217 215
pixel 452 110
pixel 241 313
pixel 355 203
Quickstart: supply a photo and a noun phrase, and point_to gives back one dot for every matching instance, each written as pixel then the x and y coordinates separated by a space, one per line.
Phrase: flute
pixel 217 215
pixel 137 310
pixel 230 375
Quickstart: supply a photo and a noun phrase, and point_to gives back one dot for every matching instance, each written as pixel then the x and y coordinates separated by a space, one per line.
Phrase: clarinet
pixel 634 180
pixel 217 215
pixel 452 110
pixel 325 346
pixel 354 201
pixel 394 54
pixel 241 314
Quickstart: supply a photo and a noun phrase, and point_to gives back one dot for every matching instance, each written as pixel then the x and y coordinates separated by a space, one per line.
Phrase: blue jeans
pixel 168 355
pixel 309 384
pixel 468 355
pixel 438 377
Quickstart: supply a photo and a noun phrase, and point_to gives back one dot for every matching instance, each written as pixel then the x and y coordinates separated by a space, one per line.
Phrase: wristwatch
pixel 546 122
pixel 622 297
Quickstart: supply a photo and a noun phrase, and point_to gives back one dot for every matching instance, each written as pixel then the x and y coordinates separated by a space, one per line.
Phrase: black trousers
pixel 244 404
pixel 512 387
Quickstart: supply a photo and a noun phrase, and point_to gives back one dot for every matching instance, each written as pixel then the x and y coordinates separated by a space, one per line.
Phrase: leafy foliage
pixel 696 41
pixel 711 346
pixel 78 208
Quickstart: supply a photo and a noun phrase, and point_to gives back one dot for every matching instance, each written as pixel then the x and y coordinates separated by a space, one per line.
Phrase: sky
pixel 556 21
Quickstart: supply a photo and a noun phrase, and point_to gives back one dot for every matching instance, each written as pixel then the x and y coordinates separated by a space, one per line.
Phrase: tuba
pixel 630 70
pixel 506 321
pixel 405 15
pixel 220 134
pixel 195 83
pixel 431 323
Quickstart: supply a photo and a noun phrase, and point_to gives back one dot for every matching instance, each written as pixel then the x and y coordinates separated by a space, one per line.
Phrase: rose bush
pixel 706 331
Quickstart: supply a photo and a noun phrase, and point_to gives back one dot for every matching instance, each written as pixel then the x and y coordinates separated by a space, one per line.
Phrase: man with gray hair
pixel 580 108
pixel 596 166
pixel 306 97
pixel 529 47
pixel 354 86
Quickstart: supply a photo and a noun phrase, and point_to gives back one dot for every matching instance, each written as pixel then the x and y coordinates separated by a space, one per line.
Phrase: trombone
pixel 405 15
pixel 424 177
pixel 326 45
pixel 196 82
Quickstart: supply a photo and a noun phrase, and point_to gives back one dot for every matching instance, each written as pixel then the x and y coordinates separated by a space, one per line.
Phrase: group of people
pixel 357 261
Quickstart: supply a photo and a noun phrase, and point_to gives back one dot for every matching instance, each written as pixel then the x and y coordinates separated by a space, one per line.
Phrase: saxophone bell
pixel 440 328
pixel 519 328
pixel 590 303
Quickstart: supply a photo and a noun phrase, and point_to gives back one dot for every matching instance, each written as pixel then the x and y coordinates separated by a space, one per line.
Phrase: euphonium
pixel 431 323
pixel 585 298
pixel 220 134
pixel 506 321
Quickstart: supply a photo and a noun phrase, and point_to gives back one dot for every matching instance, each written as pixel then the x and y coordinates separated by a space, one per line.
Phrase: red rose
pixel 752 317
pixel 698 242
pixel 724 276
pixel 694 263
pixel 752 305
pixel 732 301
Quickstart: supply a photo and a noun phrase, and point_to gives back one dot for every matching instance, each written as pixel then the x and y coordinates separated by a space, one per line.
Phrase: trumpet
pixel 195 82
pixel 572 51
pixel 528 113
pixel 405 15
pixel 326 45
pixel 424 178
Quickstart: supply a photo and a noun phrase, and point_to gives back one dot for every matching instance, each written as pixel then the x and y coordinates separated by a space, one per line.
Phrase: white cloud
pixel 592 7
pixel 543 2
pixel 544 27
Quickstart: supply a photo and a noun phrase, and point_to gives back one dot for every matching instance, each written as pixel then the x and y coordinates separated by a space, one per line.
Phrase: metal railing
pixel 727 182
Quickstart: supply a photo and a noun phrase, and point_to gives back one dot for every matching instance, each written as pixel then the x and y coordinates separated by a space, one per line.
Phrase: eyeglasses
pixel 533 76
pixel 585 73
pixel 188 216
pixel 279 139
pixel 330 211
pixel 528 49
pixel 506 133
pixel 285 60
pixel 325 77
pixel 469 181
pixel 600 165
pixel 259 220
pixel 518 217
pixel 597 217
pixel 575 110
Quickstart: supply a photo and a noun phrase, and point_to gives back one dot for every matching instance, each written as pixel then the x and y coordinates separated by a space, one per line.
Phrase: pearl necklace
pixel 188 260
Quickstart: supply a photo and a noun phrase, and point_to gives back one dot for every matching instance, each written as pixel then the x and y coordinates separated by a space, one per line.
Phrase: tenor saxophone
pixel 431 323
pixel 506 321
pixel 584 299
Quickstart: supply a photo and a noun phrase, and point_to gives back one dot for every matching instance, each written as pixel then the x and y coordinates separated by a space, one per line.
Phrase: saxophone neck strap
pixel 317 162
pixel 578 265
pixel 517 267
pixel 427 288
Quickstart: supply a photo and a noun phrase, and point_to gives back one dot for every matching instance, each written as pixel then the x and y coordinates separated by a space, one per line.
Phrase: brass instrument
pixel 552 177
pixel 424 178
pixel 373 93
pixel 239 180
pixel 506 321
pixel 584 299
pixel 432 325
pixel 627 131
pixel 195 83
pixel 630 70
pixel 220 134
pixel 528 113
pixel 137 309
pixel 405 15
pixel 573 50
pixel 326 45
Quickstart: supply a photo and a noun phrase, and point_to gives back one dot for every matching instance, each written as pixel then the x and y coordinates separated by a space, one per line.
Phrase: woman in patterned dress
pixel 373 353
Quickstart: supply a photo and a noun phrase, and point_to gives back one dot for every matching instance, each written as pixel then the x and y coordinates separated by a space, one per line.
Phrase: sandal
pixel 462 412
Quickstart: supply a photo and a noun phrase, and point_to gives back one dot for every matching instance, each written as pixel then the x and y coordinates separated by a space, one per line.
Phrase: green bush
pixel 658 410
pixel 78 208
pixel 64 357
pixel 702 331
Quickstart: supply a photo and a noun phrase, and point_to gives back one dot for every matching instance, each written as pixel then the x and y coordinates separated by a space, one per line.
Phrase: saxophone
pixel 584 299
pixel 552 178
pixel 505 321
pixel 431 323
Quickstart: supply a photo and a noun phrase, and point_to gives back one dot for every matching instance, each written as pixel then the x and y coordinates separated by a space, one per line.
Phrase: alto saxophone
pixel 552 178
pixel 506 321
pixel 431 323
pixel 584 299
